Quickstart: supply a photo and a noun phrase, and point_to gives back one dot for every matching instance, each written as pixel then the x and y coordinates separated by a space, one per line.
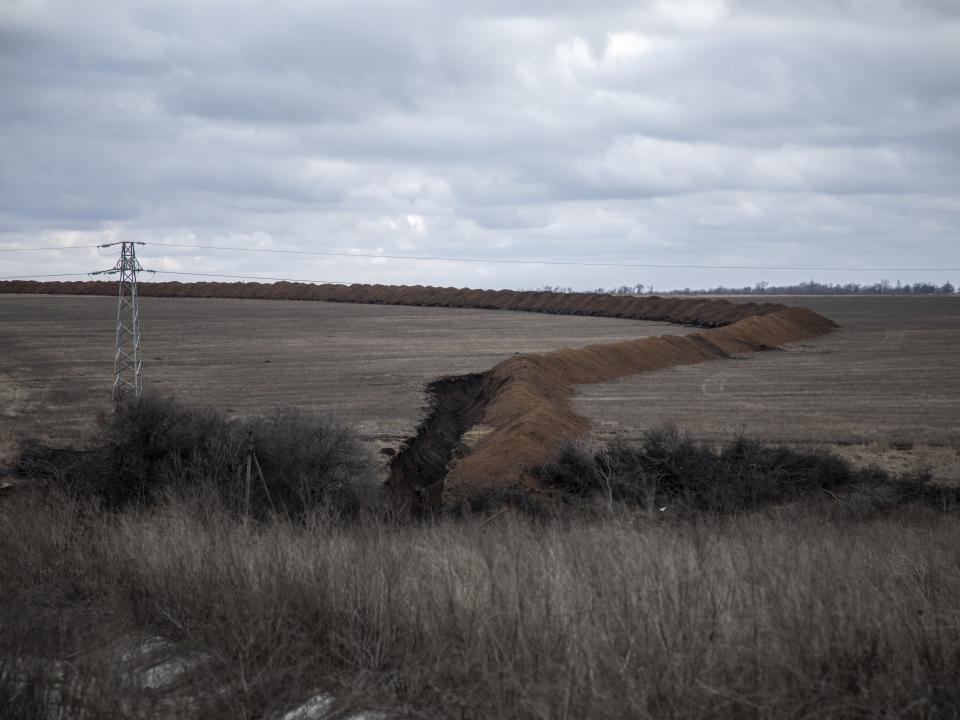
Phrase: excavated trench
pixel 418 472
pixel 522 408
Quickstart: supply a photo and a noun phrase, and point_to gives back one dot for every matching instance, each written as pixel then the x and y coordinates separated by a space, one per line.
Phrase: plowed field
pixel 366 363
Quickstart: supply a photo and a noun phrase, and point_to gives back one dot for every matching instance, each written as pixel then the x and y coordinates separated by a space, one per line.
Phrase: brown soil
pixel 525 400
pixel 699 312
pixel 528 397
pixel 419 471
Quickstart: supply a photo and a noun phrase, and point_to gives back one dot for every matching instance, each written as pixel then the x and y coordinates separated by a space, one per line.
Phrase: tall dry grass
pixel 781 614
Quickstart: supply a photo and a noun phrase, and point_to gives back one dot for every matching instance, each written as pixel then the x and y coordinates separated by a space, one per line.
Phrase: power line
pixel 48 247
pixel 177 272
pixel 31 277
pixel 508 261
pixel 578 263
pixel 253 277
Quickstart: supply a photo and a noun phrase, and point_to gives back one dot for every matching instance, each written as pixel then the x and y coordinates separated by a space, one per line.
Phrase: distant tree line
pixel 638 289
pixel 811 287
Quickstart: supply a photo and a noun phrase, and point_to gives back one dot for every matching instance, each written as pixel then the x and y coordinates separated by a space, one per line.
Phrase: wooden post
pixel 246 491
pixel 264 481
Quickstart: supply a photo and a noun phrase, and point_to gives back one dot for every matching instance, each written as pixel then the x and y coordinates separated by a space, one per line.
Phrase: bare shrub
pixel 494 500
pixel 154 448
pixel 667 468
pixel 307 460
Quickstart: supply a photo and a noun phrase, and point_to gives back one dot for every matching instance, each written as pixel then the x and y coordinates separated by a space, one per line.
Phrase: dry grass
pixel 772 615
pixel 942 462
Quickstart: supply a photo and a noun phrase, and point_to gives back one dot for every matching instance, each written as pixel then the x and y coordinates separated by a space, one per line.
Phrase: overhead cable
pixel 511 261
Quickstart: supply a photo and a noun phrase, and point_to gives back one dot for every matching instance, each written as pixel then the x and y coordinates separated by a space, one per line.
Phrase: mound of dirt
pixel 527 398
pixel 698 312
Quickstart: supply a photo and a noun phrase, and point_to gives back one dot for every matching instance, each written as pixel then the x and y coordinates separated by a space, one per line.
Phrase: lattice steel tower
pixel 127 364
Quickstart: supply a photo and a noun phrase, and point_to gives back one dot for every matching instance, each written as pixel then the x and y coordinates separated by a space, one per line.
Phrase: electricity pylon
pixel 127 364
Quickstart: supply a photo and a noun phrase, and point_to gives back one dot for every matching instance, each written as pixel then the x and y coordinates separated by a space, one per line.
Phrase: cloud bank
pixel 693 132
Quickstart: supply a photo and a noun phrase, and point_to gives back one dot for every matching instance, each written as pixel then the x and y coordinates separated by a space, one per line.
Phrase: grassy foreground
pixel 786 613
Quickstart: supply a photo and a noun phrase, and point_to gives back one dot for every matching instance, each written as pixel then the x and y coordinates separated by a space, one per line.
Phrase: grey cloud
pixel 694 130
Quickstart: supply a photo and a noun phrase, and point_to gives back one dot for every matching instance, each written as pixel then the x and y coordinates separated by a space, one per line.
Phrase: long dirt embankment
pixel 698 312
pixel 528 415
pixel 518 413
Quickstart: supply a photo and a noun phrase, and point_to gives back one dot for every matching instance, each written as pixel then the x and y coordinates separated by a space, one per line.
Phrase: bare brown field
pixel 886 386
pixel 366 364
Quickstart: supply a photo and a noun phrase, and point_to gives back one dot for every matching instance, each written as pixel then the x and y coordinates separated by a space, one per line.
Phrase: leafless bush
pixel 668 469
pixel 155 448
pixel 493 500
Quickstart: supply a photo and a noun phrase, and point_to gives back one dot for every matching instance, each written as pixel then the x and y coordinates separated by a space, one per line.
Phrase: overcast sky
pixel 680 132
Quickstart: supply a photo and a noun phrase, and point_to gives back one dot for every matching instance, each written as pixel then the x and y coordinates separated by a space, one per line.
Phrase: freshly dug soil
pixel 418 473
pixel 527 398
pixel 522 403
